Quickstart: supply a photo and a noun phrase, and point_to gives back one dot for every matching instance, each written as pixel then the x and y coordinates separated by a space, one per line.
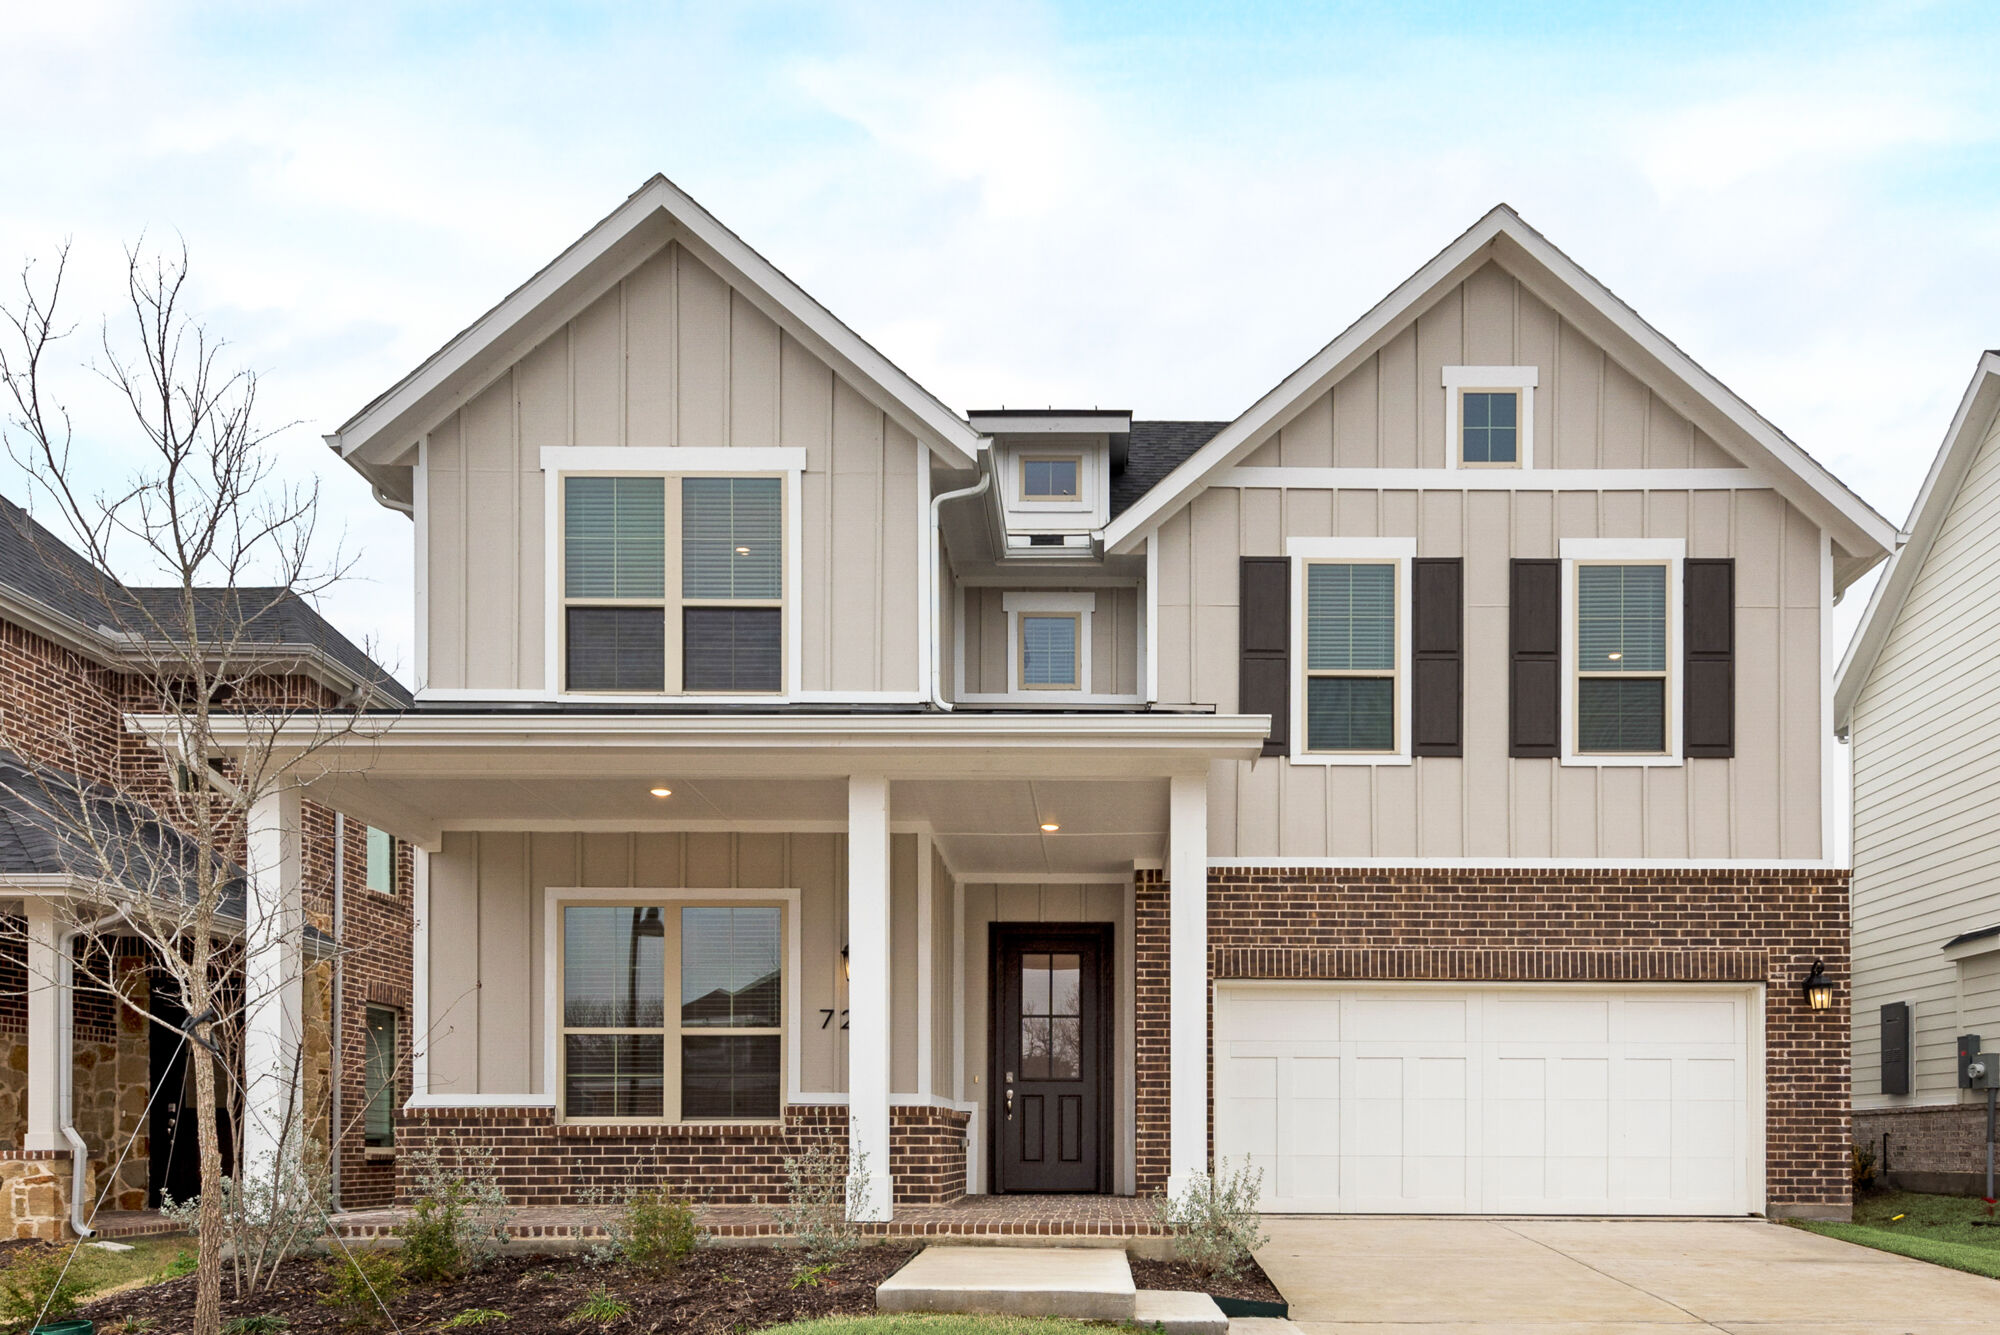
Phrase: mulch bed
pixel 718 1290
pixel 1250 1282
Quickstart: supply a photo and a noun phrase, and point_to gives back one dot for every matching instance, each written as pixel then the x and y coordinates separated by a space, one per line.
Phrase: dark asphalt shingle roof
pixel 1155 450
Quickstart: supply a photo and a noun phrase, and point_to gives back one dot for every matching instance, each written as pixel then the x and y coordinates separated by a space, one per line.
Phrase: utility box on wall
pixel 1968 1049
pixel 1896 1048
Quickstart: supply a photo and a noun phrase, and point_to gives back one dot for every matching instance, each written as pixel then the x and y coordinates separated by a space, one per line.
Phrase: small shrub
pixel 818 1187
pixel 261 1324
pixel 473 1316
pixel 811 1276
pixel 653 1231
pixel 184 1263
pixel 1861 1165
pixel 459 1221
pixel 361 1285
pixel 1214 1221
pixel 601 1308
pixel 39 1285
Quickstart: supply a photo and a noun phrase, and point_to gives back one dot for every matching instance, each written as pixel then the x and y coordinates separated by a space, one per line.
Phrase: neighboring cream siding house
pixel 1919 698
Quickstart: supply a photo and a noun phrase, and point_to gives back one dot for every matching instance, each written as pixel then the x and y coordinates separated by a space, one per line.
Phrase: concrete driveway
pixel 1348 1275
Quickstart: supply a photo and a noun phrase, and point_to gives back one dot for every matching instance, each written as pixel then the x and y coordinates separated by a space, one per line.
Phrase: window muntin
pixel 1622 658
pixel 673 584
pixel 1489 428
pixel 381 861
pixel 1051 477
pixel 378 1078
pixel 1351 656
pixel 1051 1017
pixel 718 1056
pixel 1049 652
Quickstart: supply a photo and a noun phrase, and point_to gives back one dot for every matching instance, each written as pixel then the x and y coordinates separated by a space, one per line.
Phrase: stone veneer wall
pixel 544 1162
pixel 1939 1147
pixel 1514 925
pixel 34 1193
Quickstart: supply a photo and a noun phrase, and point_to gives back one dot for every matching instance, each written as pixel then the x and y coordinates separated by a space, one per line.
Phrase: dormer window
pixel 1051 477
pixel 1490 416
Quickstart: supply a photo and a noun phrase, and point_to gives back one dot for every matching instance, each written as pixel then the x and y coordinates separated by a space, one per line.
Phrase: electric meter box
pixel 1988 1066
pixel 1968 1051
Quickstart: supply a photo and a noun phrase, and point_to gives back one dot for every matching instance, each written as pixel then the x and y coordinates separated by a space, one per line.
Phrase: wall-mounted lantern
pixel 1818 988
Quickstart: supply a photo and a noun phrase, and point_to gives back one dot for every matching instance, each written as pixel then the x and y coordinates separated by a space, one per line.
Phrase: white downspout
pixel 934 581
pixel 79 1153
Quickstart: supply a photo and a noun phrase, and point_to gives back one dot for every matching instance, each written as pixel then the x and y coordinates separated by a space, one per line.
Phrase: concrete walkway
pixel 1349 1275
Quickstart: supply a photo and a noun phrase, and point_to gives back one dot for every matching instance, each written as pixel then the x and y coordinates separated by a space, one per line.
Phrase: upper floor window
pixel 673 584
pixel 1351 658
pixel 381 861
pixel 1621 658
pixel 1051 477
pixel 1490 416
pixel 1048 651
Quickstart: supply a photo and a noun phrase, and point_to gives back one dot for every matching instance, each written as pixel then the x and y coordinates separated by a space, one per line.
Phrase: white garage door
pixel 1490 1101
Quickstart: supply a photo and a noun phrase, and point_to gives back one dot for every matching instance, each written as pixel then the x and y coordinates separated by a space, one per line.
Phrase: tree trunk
pixel 212 1227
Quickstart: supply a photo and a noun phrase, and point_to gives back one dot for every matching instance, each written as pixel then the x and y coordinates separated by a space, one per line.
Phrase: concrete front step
pixel 1087 1283
pixel 1178 1313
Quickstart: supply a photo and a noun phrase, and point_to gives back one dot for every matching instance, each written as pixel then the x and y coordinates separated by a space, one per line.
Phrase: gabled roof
pixel 1154 451
pixel 1865 536
pixel 381 434
pixel 1978 412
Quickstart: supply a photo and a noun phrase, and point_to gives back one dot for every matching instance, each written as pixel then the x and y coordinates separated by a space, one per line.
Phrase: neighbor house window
pixel 1048 651
pixel 1489 428
pixel 1351 656
pixel 717 1056
pixel 1621 658
pixel 1051 478
pixel 378 1075
pixel 673 584
pixel 381 861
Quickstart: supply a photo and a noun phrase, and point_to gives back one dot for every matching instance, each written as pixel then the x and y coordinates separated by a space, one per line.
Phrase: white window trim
pixel 553 901
pixel 1458 379
pixel 1400 551
pixel 1093 483
pixel 560 460
pixel 1639 551
pixel 1083 606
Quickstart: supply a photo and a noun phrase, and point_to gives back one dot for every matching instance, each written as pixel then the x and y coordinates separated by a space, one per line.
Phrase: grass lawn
pixel 935 1325
pixel 1954 1231
pixel 103 1272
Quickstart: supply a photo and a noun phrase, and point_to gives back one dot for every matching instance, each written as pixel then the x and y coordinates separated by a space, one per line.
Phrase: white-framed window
pixel 1490 416
pixel 675 581
pixel 1051 477
pixel 1621 647
pixel 381 861
pixel 1351 646
pixel 1048 642
pixel 672 1006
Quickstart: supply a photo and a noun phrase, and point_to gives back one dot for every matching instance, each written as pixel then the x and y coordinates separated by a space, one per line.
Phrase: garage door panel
pixel 1596 1101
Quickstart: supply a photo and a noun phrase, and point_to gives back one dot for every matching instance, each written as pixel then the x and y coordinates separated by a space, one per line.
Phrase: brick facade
pixel 1512 925
pixel 546 1162
pixel 1941 1147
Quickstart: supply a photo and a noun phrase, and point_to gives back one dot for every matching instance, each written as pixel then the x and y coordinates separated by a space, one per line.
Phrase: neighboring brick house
pixel 63 717
pixel 1418 784
pixel 1919 700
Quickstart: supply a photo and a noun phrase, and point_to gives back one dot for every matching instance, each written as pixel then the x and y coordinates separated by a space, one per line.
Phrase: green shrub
pixel 459 1221
pixel 818 1186
pixel 39 1285
pixel 1861 1166
pixel 184 1263
pixel 601 1308
pixel 474 1316
pixel 255 1325
pixel 1214 1221
pixel 655 1231
pixel 362 1285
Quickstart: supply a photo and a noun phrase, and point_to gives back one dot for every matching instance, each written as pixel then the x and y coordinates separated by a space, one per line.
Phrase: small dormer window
pixel 1051 477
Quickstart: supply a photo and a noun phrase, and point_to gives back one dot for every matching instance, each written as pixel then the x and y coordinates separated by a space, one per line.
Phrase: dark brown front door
pixel 1052 1056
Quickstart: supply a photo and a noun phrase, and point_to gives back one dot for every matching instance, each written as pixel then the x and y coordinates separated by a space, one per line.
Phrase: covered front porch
pixel 685 950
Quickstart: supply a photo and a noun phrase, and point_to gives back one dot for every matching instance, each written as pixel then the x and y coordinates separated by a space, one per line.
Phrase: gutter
pixel 935 575
pixel 79 1153
pixel 333 1048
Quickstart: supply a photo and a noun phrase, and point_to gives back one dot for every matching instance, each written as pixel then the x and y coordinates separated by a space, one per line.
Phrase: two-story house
pixel 1416 785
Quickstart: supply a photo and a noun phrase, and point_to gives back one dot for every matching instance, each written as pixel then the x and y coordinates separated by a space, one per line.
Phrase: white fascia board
pixel 1083 424
pixel 1492 479
pixel 618 241
pixel 1977 416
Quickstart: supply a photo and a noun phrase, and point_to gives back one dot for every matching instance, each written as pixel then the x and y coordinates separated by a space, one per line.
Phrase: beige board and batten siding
pixel 671 356
pixel 1589 413
pixel 1109 902
pixel 487 984
pixel 1114 641
pixel 1926 737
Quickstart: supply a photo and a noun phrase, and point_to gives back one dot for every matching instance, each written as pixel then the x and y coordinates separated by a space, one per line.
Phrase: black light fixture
pixel 846 965
pixel 1818 988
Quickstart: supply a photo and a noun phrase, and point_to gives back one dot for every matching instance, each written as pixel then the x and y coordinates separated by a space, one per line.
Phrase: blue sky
pixel 1156 206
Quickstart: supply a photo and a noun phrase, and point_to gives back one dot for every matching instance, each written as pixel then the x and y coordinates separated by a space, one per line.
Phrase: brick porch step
pixel 1086 1283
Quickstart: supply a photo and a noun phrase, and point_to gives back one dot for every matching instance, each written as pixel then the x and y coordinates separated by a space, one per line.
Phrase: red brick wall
pixel 1502 925
pixel 543 1162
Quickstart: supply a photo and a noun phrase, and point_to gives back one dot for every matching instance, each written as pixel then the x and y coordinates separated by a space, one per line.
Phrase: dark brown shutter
pixel 1896 1048
pixel 1264 681
pixel 1438 672
pixel 1709 626
pixel 1534 671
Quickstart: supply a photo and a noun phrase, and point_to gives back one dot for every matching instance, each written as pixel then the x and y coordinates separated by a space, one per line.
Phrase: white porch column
pixel 1187 982
pixel 44 1029
pixel 273 979
pixel 868 990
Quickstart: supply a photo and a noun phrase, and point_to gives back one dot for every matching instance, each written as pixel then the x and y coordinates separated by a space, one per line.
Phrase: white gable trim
pixel 1978 412
pixel 656 213
pixel 1858 529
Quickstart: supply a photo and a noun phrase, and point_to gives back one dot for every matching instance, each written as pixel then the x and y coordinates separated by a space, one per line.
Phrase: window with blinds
pixel 1621 658
pixel 673 584
pixel 1049 651
pixel 717 1056
pixel 1351 656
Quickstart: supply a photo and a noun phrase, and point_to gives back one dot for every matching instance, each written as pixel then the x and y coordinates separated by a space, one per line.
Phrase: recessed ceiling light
pixel 743 551
pixel 661 791
pixel 1050 827
pixel 1614 655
